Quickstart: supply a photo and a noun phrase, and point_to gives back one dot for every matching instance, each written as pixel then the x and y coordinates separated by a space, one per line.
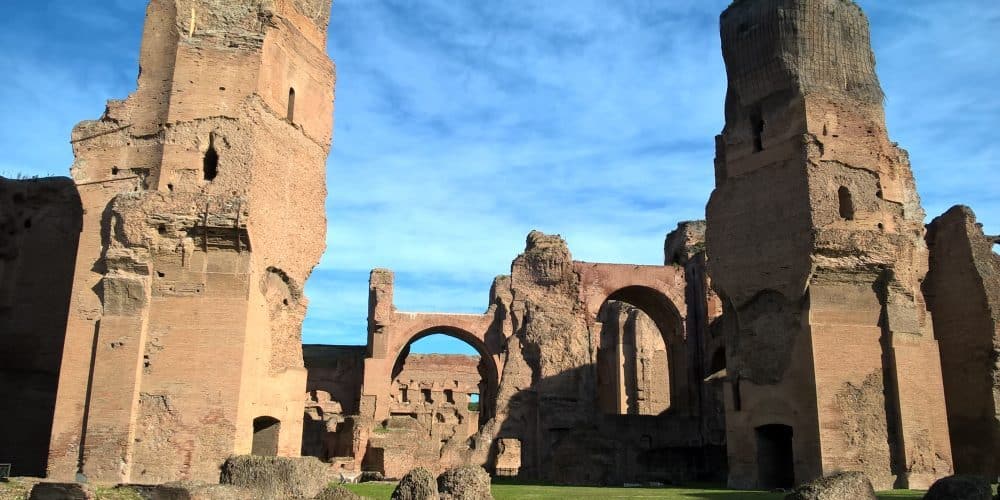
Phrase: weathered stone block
pixel 192 490
pixel 840 486
pixel 960 487
pixel 465 483
pixel 277 477
pixel 61 491
pixel 338 493
pixel 418 484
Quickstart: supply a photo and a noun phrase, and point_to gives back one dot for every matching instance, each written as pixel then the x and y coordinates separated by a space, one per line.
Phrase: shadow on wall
pixel 569 440
pixel 40 224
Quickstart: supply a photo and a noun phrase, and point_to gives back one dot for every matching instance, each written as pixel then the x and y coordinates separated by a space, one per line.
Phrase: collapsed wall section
pixel 963 291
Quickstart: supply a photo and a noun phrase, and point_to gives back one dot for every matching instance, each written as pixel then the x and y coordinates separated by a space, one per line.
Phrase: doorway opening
pixel 265 436
pixel 775 459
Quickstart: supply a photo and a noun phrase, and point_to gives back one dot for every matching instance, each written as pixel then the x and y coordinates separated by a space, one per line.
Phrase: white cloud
pixel 461 126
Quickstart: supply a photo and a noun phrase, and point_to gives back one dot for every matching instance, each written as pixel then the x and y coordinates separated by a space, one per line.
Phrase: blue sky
pixel 463 125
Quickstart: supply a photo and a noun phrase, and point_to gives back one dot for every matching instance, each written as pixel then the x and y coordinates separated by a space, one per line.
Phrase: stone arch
pixel 659 308
pixel 489 371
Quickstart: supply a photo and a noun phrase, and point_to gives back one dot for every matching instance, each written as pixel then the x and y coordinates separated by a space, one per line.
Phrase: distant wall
pixel 337 370
pixel 40 221
pixel 963 292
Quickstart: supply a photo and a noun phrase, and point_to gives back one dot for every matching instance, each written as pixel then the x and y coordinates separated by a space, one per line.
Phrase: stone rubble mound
pixel 960 487
pixel 418 484
pixel 337 492
pixel 277 477
pixel 839 486
pixel 469 482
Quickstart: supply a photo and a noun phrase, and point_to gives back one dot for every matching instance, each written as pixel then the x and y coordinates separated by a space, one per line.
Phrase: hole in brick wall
pixel 210 164
pixel 846 203
pixel 426 393
pixel 404 395
pixel 170 187
pixel 161 274
pixel 265 436
pixel 718 362
pixel 449 396
pixel 758 133
pixel 285 302
pixel 115 170
pixel 291 105
pixel 646 441
pixel 473 402
pixel 162 229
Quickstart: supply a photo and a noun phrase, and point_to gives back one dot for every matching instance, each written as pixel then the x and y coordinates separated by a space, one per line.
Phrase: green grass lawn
pixel 382 491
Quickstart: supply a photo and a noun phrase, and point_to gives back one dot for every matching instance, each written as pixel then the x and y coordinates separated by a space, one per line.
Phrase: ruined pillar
pixel 963 292
pixel 376 385
pixel 815 245
pixel 203 196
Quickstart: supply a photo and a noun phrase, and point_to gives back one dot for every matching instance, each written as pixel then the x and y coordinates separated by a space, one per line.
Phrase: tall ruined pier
pixel 815 243
pixel 203 197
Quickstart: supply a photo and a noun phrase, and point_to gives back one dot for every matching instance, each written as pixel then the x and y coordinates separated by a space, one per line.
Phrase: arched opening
pixel 291 105
pixel 636 373
pixel 846 203
pixel 439 376
pixel 210 162
pixel 775 460
pixel 265 436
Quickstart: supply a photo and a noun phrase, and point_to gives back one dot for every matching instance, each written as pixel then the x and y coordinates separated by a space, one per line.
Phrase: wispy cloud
pixel 461 126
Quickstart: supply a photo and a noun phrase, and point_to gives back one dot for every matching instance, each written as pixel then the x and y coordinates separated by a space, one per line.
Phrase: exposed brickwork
pixel 197 237
pixel 815 241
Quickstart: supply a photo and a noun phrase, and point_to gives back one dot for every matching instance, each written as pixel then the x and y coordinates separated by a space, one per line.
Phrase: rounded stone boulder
pixel 840 486
pixel 468 482
pixel 337 492
pixel 964 487
pixel 418 484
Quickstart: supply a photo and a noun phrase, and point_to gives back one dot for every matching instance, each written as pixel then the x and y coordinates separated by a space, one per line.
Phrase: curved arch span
pixel 489 371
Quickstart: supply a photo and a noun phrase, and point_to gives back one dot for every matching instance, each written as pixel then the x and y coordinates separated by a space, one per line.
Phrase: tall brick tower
pixel 815 244
pixel 204 214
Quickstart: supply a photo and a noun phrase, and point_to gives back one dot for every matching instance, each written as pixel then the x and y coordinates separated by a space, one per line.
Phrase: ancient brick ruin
pixel 963 290
pixel 815 238
pixel 182 344
pixel 151 306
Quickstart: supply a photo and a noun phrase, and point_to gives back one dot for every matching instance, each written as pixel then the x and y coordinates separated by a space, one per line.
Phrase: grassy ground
pixel 382 491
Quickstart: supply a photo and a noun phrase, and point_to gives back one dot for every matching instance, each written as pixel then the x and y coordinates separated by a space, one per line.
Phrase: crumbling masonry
pixel 151 306
pixel 183 345
pixel 815 238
